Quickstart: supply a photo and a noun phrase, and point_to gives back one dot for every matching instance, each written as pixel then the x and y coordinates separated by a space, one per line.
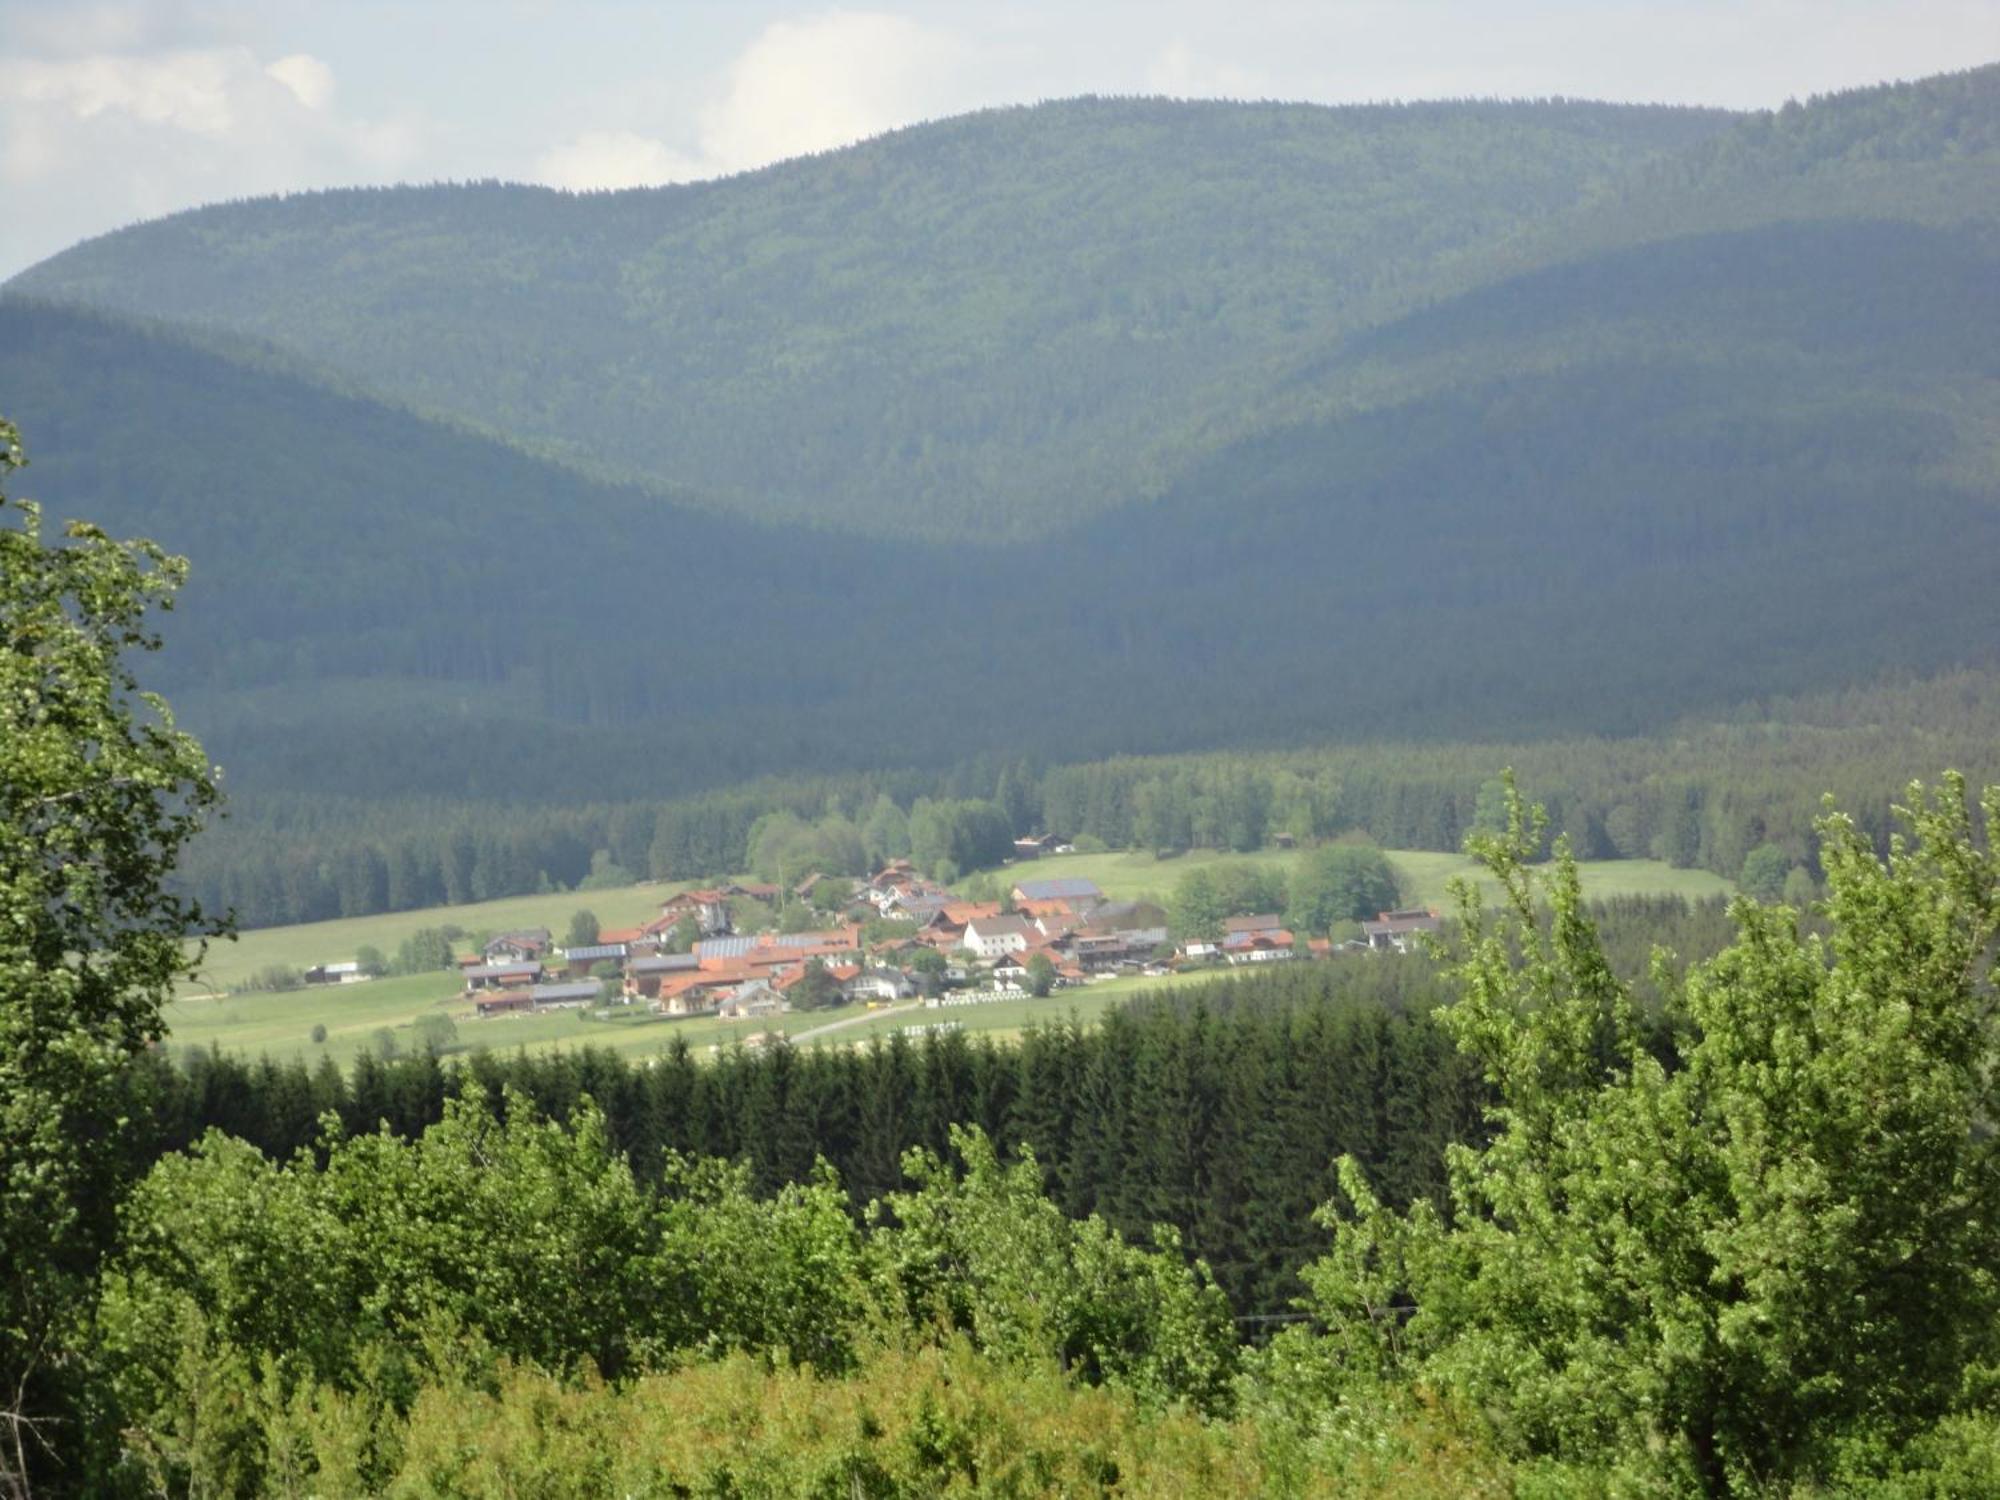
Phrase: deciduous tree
pixel 1725 1269
pixel 98 791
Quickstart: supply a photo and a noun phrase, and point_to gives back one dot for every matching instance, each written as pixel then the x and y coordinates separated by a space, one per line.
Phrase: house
pixel 879 984
pixel 917 906
pixel 756 998
pixel 989 937
pixel 504 1002
pixel 565 996
pixel 695 994
pixel 581 960
pixel 501 976
pixel 1066 896
pixel 1036 845
pixel 771 949
pixel 1265 946
pixel 644 976
pixel 1394 930
pixel 1010 971
pixel 948 921
pixel 529 945
pixel 708 908
pixel 1250 926
pixel 1097 952
pixel 1053 925
pixel 896 875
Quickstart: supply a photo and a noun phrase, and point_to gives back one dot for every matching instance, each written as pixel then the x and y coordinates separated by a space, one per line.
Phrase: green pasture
pixel 1424 875
pixel 354 1016
pixel 1135 876
pixel 1426 878
pixel 231 962
pixel 281 1025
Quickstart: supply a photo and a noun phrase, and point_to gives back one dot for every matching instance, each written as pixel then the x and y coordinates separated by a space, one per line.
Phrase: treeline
pixel 1219 1112
pixel 1704 797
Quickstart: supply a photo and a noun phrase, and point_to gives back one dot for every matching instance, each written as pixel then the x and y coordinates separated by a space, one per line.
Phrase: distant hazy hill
pixel 985 327
pixel 1556 469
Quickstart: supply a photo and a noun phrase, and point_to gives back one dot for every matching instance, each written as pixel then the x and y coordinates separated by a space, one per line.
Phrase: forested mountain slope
pixel 382 604
pixel 988 326
pixel 1644 477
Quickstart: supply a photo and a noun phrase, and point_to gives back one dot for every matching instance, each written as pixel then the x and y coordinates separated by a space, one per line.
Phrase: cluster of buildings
pixel 690 960
pixel 982 945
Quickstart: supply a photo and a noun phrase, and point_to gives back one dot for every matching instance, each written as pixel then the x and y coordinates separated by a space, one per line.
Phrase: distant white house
pixel 878 984
pixel 1397 929
pixel 989 937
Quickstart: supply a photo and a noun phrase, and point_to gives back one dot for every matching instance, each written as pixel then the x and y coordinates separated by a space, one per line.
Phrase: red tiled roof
pixel 962 912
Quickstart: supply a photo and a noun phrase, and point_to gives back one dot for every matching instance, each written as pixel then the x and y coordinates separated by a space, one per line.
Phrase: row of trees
pixel 1333 887
pixel 1735 798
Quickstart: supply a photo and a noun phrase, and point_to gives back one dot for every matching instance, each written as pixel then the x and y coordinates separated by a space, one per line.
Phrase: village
pixel 716 951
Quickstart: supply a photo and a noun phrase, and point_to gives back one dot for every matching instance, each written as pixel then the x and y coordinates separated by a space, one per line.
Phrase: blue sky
pixel 126 109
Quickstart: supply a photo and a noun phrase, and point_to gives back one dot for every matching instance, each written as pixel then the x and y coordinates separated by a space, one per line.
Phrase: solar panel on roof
pixel 1058 889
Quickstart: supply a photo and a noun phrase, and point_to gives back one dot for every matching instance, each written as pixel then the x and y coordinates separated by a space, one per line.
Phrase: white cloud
pixel 309 79
pixel 801 86
pixel 101 139
pixel 188 91
pixel 811 85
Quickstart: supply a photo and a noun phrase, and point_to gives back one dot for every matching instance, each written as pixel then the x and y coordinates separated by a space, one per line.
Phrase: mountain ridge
pixel 719 328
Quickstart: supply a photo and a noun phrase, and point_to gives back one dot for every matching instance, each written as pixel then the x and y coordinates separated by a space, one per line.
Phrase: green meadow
pixel 356 1016
pixel 1425 876
pixel 230 962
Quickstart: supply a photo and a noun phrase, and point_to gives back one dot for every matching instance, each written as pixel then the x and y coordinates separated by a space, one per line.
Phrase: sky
pixel 117 110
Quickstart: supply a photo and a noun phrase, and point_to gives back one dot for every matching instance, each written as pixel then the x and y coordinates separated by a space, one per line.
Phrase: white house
pixel 989 937
pixel 878 984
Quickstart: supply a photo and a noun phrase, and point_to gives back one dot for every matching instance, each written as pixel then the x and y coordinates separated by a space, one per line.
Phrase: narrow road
pixel 868 1015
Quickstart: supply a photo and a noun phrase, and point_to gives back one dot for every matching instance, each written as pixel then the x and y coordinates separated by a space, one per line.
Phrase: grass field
pixel 354 1016
pixel 1426 877
pixel 280 1026
pixel 1423 874
pixel 230 963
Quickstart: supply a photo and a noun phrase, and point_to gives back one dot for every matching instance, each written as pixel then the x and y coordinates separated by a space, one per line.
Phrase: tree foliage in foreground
pixel 1732 1270
pixel 98 791
pixel 378 1268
